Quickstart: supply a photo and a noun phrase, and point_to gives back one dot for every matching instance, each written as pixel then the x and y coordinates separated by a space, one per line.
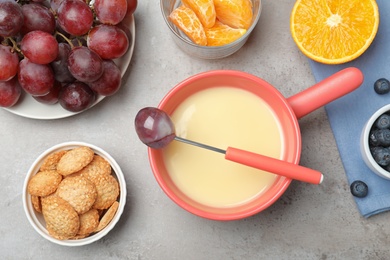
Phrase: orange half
pixel 334 31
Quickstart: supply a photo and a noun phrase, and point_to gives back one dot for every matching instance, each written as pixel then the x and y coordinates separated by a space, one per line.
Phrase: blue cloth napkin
pixel 348 115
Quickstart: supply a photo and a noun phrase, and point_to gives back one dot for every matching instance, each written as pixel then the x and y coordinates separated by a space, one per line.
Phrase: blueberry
pixel 381 136
pixel 372 138
pixel 359 189
pixel 382 86
pixel 383 121
pixel 381 155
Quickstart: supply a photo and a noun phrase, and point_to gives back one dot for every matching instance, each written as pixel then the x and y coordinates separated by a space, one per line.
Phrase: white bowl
pixel 36 219
pixel 365 146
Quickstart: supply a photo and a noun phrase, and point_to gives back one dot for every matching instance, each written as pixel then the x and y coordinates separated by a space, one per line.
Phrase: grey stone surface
pixel 307 222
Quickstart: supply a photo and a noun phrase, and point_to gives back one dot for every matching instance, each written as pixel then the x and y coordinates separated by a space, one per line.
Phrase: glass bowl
pixel 206 52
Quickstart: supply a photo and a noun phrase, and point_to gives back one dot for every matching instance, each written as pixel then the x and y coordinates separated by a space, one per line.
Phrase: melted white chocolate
pixel 222 117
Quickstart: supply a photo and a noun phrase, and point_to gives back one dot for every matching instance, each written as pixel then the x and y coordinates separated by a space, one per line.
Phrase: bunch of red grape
pixel 62 51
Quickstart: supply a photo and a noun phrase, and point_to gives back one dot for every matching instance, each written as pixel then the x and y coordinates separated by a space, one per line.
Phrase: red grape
pixel 60 64
pixel 51 97
pixel 110 82
pixel 54 4
pixel 62 51
pixel 35 79
pixel 84 64
pixel 9 62
pixel 10 92
pixel 39 47
pixel 11 18
pixel 75 17
pixel 62 35
pixel 76 97
pixel 154 127
pixel 37 18
pixel 131 6
pixel 110 11
pixel 109 41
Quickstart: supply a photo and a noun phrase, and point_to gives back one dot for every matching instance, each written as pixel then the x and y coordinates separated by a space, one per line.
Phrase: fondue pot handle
pixel 273 165
pixel 325 91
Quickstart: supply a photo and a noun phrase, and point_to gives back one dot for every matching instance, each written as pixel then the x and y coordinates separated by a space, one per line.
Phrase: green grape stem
pixel 8 41
pixel 65 38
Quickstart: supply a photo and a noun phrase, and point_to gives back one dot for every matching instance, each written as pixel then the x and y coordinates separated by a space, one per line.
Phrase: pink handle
pixel 326 91
pixel 273 165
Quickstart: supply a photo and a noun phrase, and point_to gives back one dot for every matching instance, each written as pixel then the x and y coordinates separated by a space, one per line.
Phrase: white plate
pixel 28 107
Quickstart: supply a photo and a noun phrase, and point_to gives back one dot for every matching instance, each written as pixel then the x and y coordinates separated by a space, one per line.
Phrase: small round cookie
pixel 108 216
pixel 56 236
pixel 51 161
pixel 88 222
pixel 44 183
pixel 76 237
pixel 107 189
pixel 79 192
pixel 74 160
pixel 36 202
pixel 98 166
pixel 62 221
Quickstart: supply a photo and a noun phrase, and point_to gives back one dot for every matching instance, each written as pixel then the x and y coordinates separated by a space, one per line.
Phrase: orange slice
pixel 235 13
pixel 204 9
pixel 221 34
pixel 334 31
pixel 187 21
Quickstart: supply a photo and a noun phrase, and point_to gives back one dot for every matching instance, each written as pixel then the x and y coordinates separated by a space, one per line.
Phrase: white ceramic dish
pixel 28 107
pixel 36 219
pixel 365 147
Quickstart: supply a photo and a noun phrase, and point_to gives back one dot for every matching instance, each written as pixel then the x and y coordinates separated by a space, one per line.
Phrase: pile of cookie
pixel 76 193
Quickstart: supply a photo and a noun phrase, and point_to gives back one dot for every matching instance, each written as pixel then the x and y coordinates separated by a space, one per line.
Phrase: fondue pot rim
pixel 293 108
pixel 282 182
